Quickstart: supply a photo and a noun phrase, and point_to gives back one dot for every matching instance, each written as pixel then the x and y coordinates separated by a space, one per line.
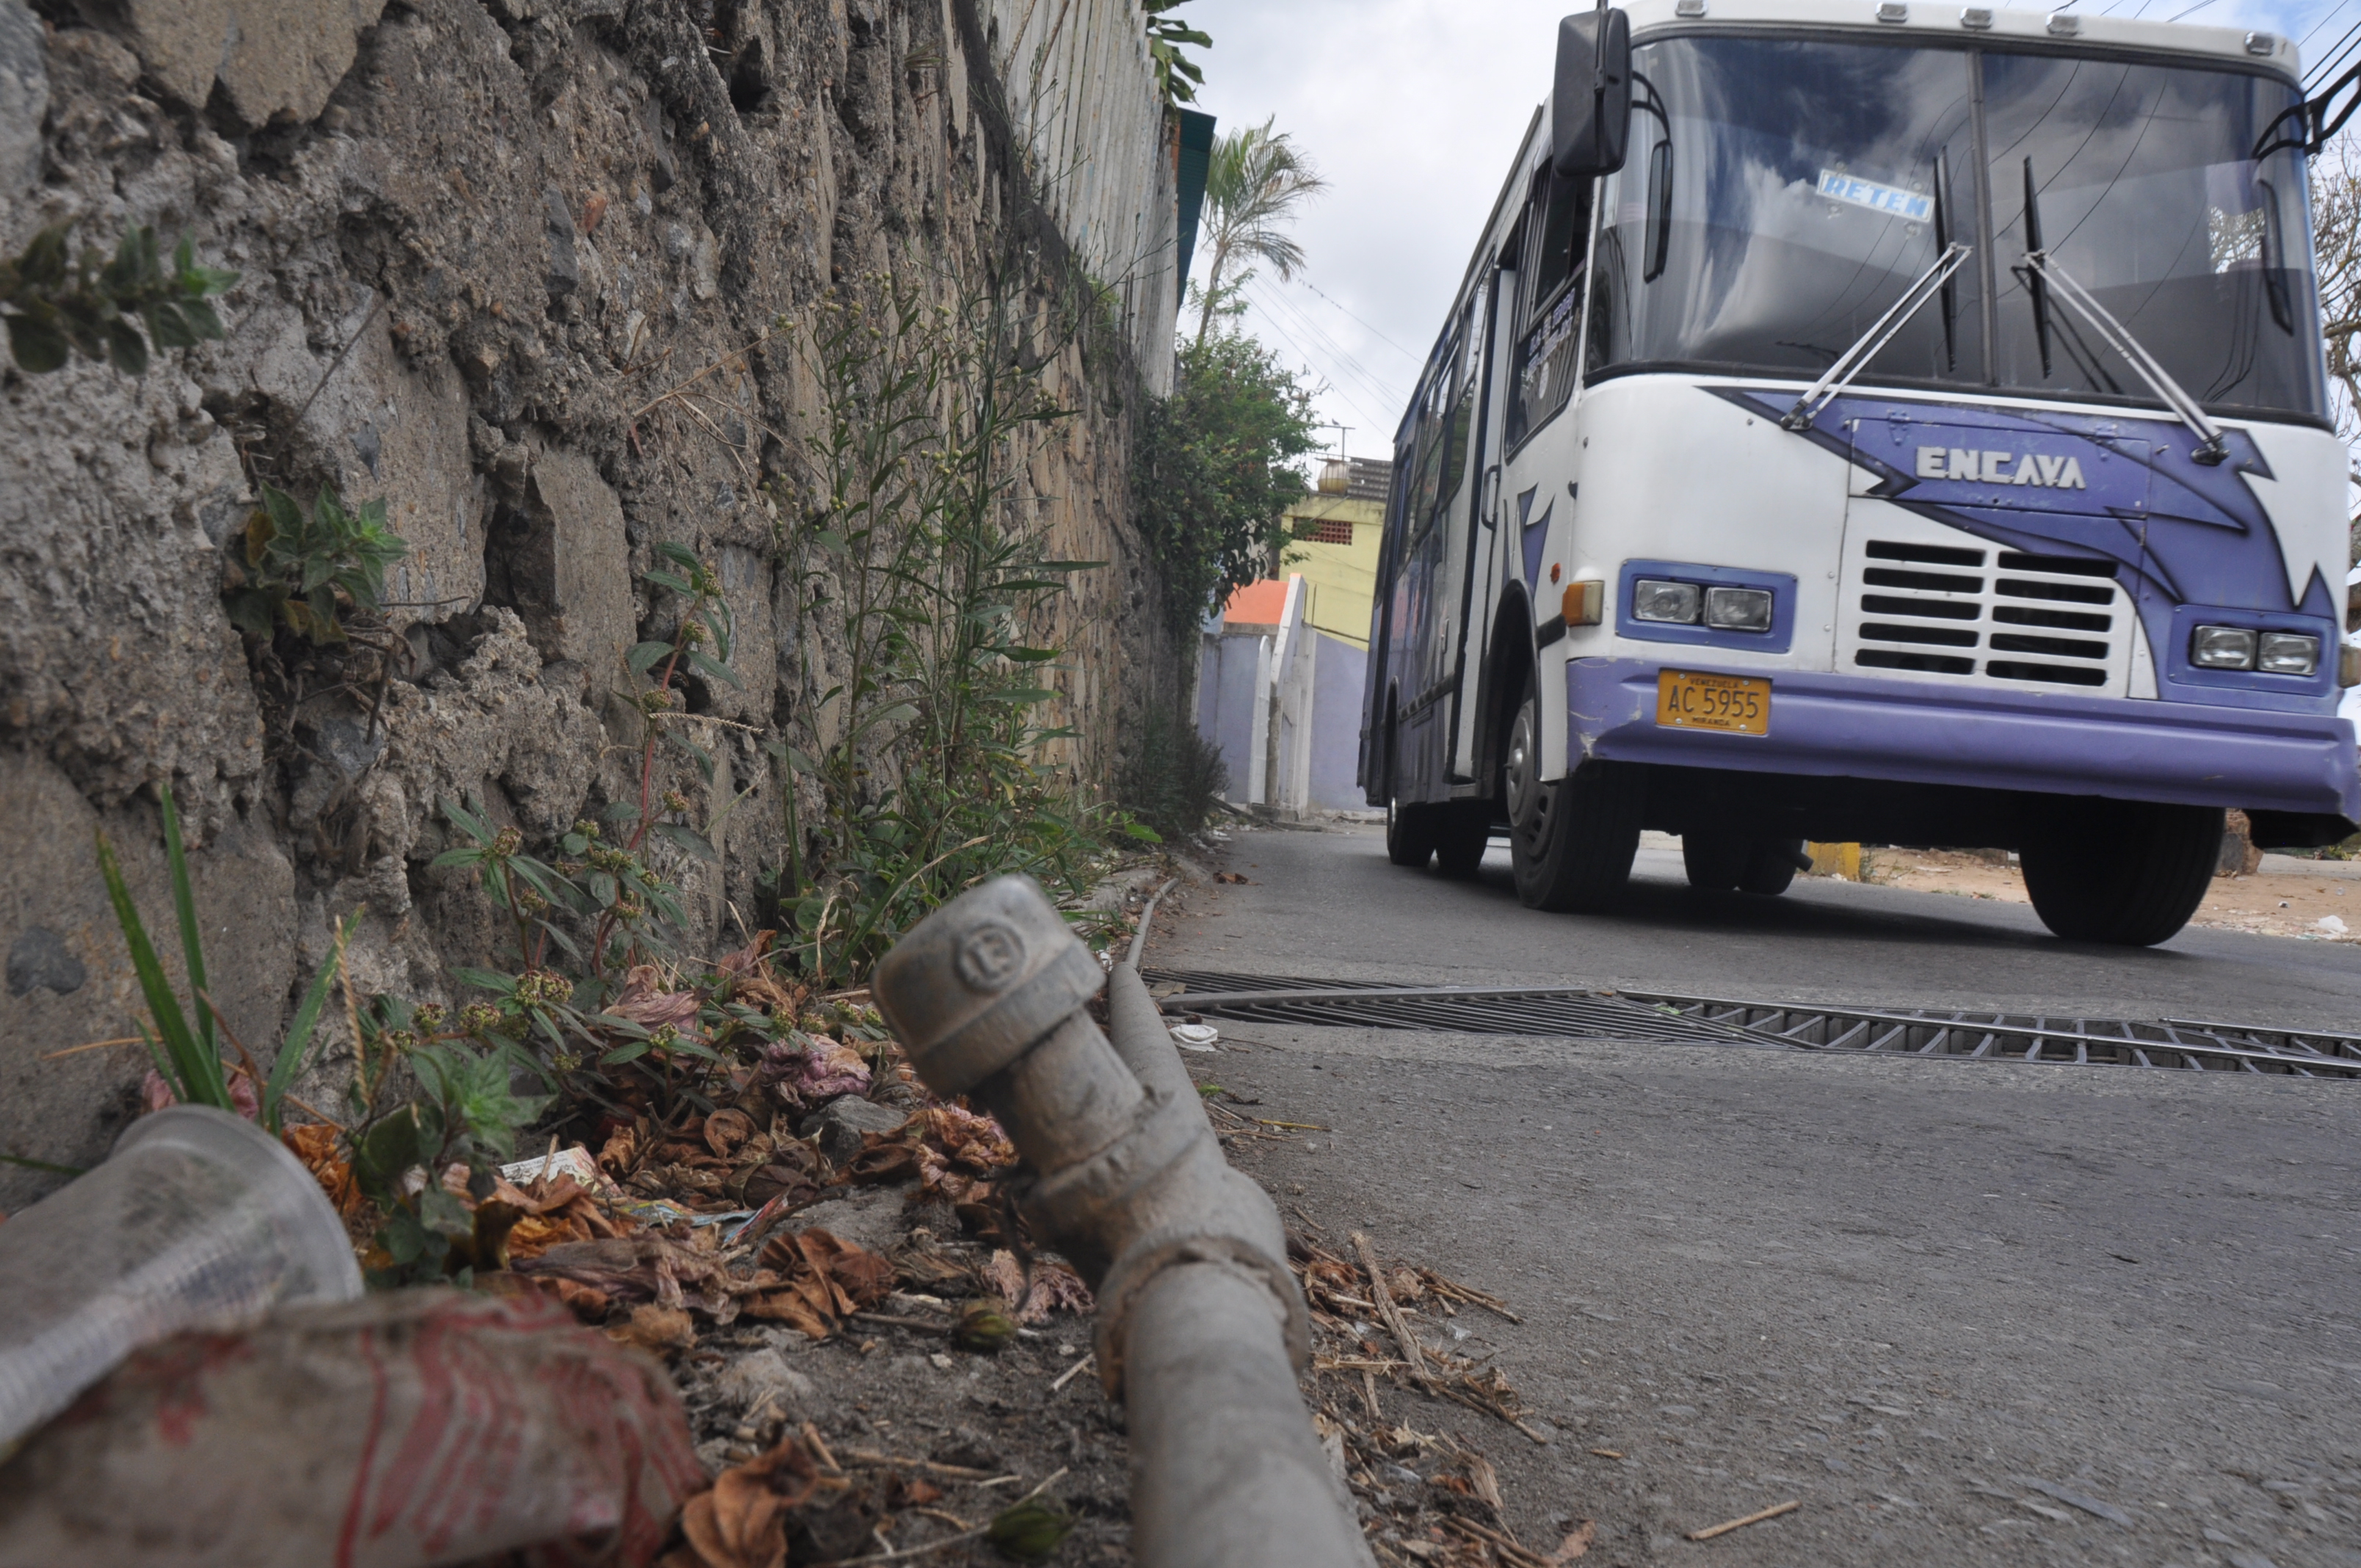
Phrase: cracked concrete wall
pixel 479 239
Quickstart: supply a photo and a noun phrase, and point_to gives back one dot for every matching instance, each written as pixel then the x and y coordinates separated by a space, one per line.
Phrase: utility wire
pixel 1419 360
pixel 2325 17
pixel 1283 311
pixel 1312 329
pixel 2340 55
pixel 1276 325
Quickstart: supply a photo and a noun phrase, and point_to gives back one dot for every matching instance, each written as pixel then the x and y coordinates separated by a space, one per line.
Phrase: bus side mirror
pixel 1590 106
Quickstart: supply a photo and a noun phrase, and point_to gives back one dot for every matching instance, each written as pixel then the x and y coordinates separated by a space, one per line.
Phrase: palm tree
pixel 1253 183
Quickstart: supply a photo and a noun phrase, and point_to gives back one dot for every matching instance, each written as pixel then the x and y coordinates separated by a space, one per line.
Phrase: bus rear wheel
pixel 1715 862
pixel 2126 872
pixel 1410 833
pixel 1465 832
pixel 1731 863
pixel 1570 840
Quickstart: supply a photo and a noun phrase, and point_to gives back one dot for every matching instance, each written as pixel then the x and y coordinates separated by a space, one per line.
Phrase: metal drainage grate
pixel 1578 1013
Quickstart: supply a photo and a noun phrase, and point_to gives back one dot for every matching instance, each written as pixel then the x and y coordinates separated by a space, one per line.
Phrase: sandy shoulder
pixel 2270 903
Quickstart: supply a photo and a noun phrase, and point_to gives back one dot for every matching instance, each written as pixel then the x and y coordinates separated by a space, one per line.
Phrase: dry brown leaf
pixel 1052 1286
pixel 620 1154
pixel 1486 1481
pixel 1577 1542
pixel 742 1522
pixel 655 1328
pixel 725 1131
pixel 973 1141
pixel 825 1279
pixel 315 1146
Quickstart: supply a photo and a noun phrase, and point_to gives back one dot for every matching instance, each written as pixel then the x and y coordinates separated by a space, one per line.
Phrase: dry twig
pixel 1789 1506
pixel 1411 1351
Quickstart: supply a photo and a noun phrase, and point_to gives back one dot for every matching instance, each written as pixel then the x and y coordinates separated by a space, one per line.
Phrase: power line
pixel 1333 385
pixel 2338 54
pixel 1281 309
pixel 1321 335
pixel 1414 358
pixel 1360 374
pixel 2325 17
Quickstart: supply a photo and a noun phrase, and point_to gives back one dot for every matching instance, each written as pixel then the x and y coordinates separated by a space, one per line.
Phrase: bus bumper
pixel 1919 732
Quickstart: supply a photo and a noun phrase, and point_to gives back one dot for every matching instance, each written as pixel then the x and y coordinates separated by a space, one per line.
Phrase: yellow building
pixel 1278 689
pixel 1336 533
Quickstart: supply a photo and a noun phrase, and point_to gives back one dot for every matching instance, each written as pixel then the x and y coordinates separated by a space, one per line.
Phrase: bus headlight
pixel 2221 648
pixel 2287 653
pixel 1675 604
pixel 1738 609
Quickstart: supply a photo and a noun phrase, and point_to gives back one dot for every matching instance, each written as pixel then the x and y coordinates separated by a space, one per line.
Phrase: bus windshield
pixel 1782 193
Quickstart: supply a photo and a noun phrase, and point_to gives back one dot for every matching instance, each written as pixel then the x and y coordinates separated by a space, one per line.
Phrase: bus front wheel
pixel 1570 840
pixel 2127 872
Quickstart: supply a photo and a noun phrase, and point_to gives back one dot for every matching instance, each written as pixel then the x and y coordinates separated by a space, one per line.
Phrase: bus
pixel 1885 423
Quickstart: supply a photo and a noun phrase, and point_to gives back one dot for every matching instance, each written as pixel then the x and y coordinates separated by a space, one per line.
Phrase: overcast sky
pixel 1412 109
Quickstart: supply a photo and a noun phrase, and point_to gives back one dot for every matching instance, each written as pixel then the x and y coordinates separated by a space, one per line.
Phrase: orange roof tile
pixel 1256 604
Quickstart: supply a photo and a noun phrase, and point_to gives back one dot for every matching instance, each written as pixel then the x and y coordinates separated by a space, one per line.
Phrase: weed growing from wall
pixel 186 1042
pixel 928 744
pixel 305 569
pixel 59 304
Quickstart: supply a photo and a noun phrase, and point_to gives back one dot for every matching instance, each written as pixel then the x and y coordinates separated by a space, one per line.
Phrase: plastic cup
pixel 198 1219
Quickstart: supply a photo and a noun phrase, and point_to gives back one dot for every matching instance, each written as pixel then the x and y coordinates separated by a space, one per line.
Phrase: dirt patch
pixel 2269 902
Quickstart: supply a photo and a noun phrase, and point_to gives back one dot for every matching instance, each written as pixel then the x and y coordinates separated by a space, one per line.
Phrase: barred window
pixel 1324 530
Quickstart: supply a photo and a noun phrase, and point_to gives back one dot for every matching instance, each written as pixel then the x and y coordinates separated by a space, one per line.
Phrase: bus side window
pixel 1541 367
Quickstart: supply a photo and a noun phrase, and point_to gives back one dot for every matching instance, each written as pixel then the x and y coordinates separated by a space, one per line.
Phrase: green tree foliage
pixel 1177 76
pixel 1256 181
pixel 1211 476
pixel 58 303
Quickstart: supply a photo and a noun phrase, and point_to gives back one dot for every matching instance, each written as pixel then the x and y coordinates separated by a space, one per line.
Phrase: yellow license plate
pixel 1687 699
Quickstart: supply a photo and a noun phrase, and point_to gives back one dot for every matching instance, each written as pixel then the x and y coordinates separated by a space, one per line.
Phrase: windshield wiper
pixel 1854 360
pixel 2211 447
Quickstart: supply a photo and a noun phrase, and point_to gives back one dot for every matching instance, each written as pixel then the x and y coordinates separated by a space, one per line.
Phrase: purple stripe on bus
pixel 1536 536
pixel 2180 531
pixel 1922 732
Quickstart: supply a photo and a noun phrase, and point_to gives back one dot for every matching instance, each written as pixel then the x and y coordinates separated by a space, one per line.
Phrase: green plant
pixel 303 569
pixel 1212 474
pixel 58 303
pixel 188 1055
pixel 462 1108
pixel 937 771
pixel 1177 76
pixel 1173 776
pixel 1254 182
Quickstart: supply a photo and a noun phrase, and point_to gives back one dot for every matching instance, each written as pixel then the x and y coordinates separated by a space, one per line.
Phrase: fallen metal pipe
pixel 1137 1026
pixel 1202 1329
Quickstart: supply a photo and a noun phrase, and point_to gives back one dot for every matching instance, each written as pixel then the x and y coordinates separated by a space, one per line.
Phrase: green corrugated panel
pixel 1196 151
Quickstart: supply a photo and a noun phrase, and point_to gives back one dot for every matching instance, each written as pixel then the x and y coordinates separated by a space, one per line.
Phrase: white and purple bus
pixel 1877 421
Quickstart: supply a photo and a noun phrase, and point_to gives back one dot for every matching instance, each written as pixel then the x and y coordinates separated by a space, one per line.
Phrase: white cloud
pixel 1412 109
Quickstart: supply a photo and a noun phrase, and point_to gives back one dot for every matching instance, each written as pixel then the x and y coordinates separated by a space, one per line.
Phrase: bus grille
pixel 1960 609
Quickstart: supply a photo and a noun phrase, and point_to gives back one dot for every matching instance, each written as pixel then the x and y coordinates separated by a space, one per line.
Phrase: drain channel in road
pixel 1582 1013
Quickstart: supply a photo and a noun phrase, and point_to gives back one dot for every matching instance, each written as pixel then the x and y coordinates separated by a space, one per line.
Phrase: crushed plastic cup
pixel 1195 1037
pixel 198 1219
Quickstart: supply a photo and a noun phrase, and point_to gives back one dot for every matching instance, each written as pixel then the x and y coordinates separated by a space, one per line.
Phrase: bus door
pixel 1480 576
pixel 1426 595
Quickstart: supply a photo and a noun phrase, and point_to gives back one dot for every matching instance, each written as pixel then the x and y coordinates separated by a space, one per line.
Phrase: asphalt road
pixel 1964 1312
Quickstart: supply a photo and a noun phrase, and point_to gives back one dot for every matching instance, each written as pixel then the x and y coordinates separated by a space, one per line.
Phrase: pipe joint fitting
pixel 1015 972
pixel 1150 1255
pixel 1082 1199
